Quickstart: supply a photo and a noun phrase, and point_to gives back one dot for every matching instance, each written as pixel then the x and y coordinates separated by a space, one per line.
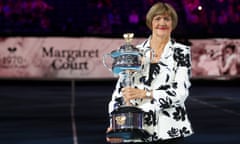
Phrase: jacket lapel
pixel 167 55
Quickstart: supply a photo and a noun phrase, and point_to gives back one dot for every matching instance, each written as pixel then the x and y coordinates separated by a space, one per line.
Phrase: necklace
pixel 158 47
pixel 157 53
pixel 156 56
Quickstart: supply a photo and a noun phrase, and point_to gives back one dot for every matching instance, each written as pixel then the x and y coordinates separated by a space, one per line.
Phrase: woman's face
pixel 162 25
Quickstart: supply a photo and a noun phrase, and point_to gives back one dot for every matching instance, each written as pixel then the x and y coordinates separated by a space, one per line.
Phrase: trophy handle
pixel 104 62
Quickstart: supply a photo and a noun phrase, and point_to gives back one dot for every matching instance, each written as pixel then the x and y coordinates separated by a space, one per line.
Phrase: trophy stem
pixel 127 83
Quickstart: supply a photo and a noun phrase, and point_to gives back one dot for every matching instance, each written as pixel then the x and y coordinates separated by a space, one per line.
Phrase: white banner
pixel 56 57
pixel 81 58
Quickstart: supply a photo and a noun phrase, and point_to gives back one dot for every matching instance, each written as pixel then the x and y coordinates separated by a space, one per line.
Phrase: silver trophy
pixel 127 120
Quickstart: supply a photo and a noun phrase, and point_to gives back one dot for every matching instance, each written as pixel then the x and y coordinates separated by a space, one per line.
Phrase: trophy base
pixel 128 133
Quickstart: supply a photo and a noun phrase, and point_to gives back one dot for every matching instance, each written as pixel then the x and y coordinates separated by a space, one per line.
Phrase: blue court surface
pixel 75 112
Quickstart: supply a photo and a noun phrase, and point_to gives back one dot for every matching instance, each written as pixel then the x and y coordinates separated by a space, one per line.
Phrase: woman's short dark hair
pixel 161 8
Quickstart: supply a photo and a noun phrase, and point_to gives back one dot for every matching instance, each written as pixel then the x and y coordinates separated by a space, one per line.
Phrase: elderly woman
pixel 162 87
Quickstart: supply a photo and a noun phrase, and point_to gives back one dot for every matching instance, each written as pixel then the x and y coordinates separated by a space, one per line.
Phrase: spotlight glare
pixel 200 8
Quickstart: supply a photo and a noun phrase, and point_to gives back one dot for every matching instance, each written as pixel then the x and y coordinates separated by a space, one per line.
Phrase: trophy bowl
pixel 126 58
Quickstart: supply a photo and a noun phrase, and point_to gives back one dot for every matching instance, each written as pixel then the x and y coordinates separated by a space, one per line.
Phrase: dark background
pixel 197 18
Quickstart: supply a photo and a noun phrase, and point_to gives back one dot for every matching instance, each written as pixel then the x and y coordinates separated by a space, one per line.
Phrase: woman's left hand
pixel 130 93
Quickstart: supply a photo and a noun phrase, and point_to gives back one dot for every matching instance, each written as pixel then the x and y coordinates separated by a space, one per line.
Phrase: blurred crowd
pixel 24 16
pixel 219 17
pixel 113 17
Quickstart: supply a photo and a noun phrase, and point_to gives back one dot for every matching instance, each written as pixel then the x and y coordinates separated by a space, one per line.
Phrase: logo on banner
pixel 12 59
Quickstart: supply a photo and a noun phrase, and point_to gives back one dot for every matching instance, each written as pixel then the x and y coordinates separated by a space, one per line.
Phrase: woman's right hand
pixel 113 140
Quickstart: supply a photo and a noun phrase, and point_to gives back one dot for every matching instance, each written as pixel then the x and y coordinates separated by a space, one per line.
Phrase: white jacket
pixel 165 115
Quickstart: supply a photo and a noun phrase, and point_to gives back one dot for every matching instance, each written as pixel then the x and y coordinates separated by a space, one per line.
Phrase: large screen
pixel 214 58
